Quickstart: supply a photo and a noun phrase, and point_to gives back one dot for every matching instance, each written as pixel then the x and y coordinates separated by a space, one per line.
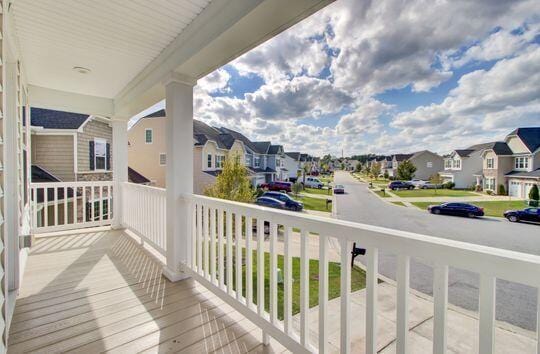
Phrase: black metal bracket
pixel 356 251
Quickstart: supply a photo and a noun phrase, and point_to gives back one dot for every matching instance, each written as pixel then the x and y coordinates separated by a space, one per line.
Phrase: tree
pixel 232 183
pixel 533 193
pixel 436 180
pixel 375 169
pixel 406 170
pixel 297 188
pixel 358 168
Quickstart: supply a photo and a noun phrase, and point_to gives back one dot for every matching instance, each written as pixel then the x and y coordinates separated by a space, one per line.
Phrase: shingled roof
pixel 50 119
pixel 530 137
pixel 293 155
pixel 136 177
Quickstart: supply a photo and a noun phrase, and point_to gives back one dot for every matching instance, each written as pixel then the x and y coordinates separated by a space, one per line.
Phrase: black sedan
pixel 290 203
pixel 527 214
pixel 457 209
pixel 270 202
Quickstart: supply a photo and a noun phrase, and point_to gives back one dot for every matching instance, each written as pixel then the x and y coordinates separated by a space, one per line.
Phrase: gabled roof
pixel 402 157
pixel 464 152
pixel 50 119
pixel 499 148
pixel 40 175
pixel 248 143
pixel 293 155
pixel 202 132
pixel 262 146
pixel 136 177
pixel 275 149
pixel 468 151
pixel 530 136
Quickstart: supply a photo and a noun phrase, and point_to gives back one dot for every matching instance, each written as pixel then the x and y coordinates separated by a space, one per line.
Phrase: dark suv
pixel 277 186
pixel 400 185
pixel 290 203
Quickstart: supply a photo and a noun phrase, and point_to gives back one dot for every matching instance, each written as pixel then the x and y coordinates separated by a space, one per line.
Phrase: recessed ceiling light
pixel 81 70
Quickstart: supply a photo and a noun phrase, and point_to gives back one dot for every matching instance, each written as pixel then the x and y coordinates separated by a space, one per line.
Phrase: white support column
pixel 179 177
pixel 11 173
pixel 120 167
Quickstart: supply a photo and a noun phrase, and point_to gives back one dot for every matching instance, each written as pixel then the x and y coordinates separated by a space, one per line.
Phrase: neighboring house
pixel 462 165
pixel 427 163
pixel 350 165
pixel 71 146
pixel 513 163
pixel 291 163
pixel 147 153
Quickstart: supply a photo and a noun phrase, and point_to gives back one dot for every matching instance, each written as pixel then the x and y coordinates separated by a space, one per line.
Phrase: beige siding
pixel 516 145
pixel 54 153
pixel 201 179
pixel 93 129
pixel 143 157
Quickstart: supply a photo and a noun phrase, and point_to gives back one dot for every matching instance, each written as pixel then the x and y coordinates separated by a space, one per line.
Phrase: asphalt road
pixel 516 303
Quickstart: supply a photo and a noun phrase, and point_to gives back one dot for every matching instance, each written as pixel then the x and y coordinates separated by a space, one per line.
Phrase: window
pixel 248 160
pixel 522 163
pixel 209 163
pixel 257 161
pixel 448 164
pixel 148 136
pixel 457 164
pixel 489 184
pixel 429 164
pixel 162 159
pixel 219 161
pixel 100 154
pixel 490 163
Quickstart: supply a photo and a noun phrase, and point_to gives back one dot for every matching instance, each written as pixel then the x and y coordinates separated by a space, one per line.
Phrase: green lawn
pixel 433 193
pixel 382 194
pixel 311 203
pixel 326 180
pixel 494 208
pixel 318 191
pixel 358 281
pixel 399 203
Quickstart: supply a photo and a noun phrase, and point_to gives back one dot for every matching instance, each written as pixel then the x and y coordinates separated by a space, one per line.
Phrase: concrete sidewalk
pixel 462 330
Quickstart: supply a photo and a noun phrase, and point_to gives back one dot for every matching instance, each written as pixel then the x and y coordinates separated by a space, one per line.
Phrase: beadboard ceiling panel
pixel 115 39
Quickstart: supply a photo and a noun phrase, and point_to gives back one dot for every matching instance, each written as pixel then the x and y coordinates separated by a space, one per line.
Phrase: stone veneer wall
pixel 95 176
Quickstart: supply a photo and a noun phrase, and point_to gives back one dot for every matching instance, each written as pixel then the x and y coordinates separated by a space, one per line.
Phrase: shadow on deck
pixel 99 291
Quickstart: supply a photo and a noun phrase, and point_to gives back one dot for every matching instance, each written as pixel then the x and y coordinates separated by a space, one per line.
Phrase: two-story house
pixel 462 166
pixel 513 163
pixel 427 163
pixel 291 163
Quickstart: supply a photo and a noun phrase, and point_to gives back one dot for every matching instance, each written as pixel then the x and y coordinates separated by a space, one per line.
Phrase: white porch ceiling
pixel 115 39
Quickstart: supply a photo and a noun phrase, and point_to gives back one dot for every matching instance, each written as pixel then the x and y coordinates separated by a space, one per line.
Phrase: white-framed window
pixel 209 161
pixel 257 161
pixel 100 154
pixel 162 159
pixel 489 184
pixel 219 161
pixel 248 160
pixel 448 164
pixel 148 136
pixel 457 164
pixel 429 164
pixel 490 163
pixel 521 163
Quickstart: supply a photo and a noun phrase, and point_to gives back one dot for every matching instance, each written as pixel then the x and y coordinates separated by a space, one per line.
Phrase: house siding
pixel 421 161
pixel 54 153
pixel 201 179
pixel 144 158
pixel 93 129
pixel 502 165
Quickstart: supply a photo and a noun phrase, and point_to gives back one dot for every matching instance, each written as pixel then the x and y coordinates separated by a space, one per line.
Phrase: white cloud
pixel 215 82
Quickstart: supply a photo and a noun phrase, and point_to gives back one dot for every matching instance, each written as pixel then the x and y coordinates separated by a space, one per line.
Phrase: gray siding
pixel 422 170
pixel 93 129
pixel 54 153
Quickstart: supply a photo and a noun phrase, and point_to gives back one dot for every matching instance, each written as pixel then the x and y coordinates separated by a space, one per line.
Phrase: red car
pixel 277 186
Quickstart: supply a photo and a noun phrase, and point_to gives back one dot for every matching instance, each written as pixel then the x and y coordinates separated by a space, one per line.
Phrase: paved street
pixel 516 303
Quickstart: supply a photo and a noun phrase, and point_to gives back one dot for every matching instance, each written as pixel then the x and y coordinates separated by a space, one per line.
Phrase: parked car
pixel 431 186
pixel 527 214
pixel 270 202
pixel 418 183
pixel 400 185
pixel 457 209
pixel 339 189
pixel 290 203
pixel 313 182
pixel 277 186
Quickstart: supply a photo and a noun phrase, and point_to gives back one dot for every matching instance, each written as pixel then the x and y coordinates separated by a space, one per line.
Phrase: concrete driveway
pixel 516 303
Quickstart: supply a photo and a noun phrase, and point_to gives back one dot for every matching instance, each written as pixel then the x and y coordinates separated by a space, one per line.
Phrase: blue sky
pixel 385 77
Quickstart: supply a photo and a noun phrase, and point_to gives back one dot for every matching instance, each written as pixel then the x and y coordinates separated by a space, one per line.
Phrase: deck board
pixel 101 292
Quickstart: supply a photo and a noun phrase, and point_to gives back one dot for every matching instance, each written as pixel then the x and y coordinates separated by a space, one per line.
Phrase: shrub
pixel 297 188
pixel 533 193
pixel 489 192
pixel 478 188
pixel 449 185
pixel 385 174
pixel 502 190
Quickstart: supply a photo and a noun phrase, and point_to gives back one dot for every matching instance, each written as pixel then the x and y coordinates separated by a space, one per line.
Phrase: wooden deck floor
pixel 100 292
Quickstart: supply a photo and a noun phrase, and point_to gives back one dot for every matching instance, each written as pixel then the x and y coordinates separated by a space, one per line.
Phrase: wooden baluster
pixel 206 238
pixel 440 304
pixel 213 245
pixel 304 288
pixel 199 239
pixel 46 207
pixel 55 206
pixel 287 281
pixel 371 300
pixel 273 272
pixel 100 203
pixel 323 294
pixel 221 268
pixel 238 261
pixel 228 246
pixel 487 314
pixel 402 308
pixel 74 205
pixel 249 261
pixel 260 273
pixel 345 345
pixel 66 200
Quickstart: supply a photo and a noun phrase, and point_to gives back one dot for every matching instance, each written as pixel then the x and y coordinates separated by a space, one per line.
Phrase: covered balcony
pixel 146 269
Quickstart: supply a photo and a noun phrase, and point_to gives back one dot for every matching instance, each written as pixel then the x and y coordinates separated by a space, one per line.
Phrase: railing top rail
pixel 510 265
pixel 70 184
pixel 142 186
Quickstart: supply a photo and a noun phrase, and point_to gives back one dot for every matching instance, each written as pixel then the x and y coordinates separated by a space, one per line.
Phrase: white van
pixel 313 182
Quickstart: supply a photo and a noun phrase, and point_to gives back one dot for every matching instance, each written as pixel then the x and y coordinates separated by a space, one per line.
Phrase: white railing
pixel 59 206
pixel 224 232
pixel 144 213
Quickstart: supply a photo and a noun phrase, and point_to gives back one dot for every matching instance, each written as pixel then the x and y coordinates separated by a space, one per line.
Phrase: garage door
pixel 515 189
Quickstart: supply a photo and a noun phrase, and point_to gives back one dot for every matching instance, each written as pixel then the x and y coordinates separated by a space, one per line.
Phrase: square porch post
pixel 120 166
pixel 179 176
